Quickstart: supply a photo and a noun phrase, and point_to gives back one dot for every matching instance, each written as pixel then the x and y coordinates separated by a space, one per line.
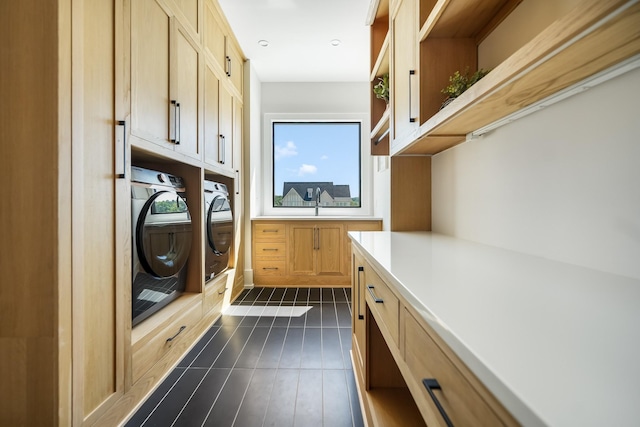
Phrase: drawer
pixel 270 250
pixel 269 267
pixel 382 302
pixel 463 404
pixel 269 231
pixel 214 292
pixel 147 352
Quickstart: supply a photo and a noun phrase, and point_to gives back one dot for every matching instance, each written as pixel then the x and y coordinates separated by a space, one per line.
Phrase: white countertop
pixel 316 218
pixel 557 344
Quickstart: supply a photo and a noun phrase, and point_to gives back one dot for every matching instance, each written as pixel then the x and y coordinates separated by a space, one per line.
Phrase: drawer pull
pixel 269 268
pixel 360 270
pixel 268 230
pixel 222 291
pixel 375 298
pixel 270 249
pixel 432 384
pixel 182 328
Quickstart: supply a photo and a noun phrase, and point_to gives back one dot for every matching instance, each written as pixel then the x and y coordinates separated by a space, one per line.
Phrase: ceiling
pixel 299 33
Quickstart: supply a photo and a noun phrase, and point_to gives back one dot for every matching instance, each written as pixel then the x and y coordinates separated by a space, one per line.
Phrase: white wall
pixel 563 183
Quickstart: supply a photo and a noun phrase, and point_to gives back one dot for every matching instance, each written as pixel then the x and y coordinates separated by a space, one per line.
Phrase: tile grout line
pixel 253 371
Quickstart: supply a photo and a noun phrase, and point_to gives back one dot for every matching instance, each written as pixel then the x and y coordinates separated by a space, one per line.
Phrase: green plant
pixel 381 89
pixel 458 83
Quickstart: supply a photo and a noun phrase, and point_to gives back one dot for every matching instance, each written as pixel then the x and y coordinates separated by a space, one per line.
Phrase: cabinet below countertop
pixel 539 335
pixel 305 251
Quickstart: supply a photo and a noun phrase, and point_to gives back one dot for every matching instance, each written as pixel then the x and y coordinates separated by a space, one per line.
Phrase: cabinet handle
pixel 360 270
pixel 124 148
pixel 182 328
pixel 270 268
pixel 237 183
pixel 176 122
pixel 270 230
pixel 269 249
pixel 221 144
pixel 228 66
pixel 222 291
pixel 411 118
pixel 375 298
pixel 432 384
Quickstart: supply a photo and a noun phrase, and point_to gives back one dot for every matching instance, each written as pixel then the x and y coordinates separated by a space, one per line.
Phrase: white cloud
pixel 288 150
pixel 307 170
pixel 324 157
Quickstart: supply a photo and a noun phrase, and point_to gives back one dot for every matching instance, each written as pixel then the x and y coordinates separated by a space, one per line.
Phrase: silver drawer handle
pixel 375 298
pixel 432 384
pixel 222 291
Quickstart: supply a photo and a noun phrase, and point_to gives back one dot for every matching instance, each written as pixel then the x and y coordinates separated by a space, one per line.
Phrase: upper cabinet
pixel 165 80
pixel 404 28
pixel 222 47
pixel 431 40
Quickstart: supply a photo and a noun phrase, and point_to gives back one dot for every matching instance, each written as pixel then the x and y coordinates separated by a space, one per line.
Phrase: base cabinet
pixel 396 355
pixel 304 252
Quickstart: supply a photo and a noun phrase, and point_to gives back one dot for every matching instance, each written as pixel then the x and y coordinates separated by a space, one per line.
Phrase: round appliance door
pixel 220 225
pixel 163 234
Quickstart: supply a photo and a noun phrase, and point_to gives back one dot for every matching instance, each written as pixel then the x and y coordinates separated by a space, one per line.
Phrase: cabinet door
pixel 329 249
pixel 101 201
pixel 225 115
pixel 214 35
pixel 302 241
pixel 189 9
pixel 150 63
pixel 404 91
pixel 235 67
pixel 184 91
pixel 237 138
pixel 358 309
pixel 211 135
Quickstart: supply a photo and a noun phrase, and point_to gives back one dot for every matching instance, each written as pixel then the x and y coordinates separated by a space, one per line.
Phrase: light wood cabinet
pixel 165 80
pixel 396 355
pixel 404 77
pixel 590 38
pixel 99 78
pixel 305 252
pixel 315 249
pixel 222 47
pixel 219 122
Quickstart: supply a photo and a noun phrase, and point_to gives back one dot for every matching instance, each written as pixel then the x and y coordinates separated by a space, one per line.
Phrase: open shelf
pixel 587 41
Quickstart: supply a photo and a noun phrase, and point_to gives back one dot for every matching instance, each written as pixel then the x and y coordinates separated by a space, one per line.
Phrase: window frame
pixel 267 174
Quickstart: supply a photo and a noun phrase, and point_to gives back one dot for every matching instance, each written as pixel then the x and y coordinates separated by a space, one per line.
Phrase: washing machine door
pixel 219 225
pixel 163 234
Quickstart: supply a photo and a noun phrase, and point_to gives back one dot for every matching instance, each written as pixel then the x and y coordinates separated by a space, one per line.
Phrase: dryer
pixel 161 240
pixel 219 228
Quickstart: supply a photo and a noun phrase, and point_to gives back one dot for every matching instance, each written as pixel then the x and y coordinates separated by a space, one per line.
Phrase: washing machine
pixel 219 228
pixel 161 240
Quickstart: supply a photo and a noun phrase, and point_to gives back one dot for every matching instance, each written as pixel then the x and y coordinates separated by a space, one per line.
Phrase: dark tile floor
pixel 277 357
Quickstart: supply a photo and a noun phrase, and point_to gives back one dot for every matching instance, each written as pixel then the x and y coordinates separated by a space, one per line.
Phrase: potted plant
pixel 459 83
pixel 381 89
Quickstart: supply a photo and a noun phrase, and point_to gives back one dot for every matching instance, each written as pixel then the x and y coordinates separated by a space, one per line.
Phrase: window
pixel 316 163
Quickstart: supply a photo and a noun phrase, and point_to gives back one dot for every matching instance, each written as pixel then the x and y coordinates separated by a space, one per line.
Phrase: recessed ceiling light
pixel 263 43
pixel 335 42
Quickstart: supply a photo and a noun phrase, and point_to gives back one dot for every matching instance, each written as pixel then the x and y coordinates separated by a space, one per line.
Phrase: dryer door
pixel 163 234
pixel 219 225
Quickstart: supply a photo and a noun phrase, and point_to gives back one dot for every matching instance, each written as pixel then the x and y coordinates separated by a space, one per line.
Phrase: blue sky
pixel 317 152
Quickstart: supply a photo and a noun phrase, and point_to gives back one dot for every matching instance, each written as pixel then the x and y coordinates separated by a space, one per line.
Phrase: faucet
pixel 317 199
